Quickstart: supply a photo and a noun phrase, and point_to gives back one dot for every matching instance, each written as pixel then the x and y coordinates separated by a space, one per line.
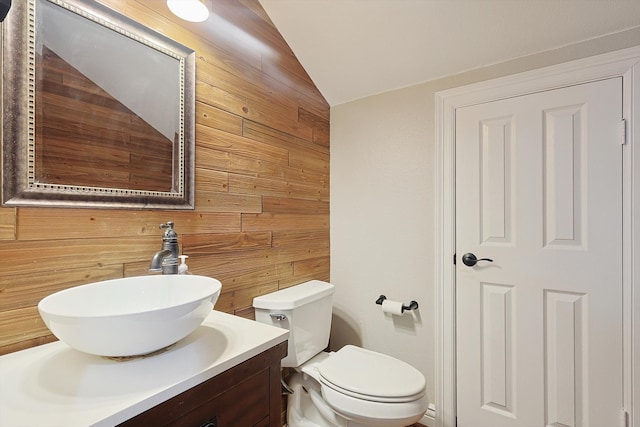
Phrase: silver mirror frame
pixel 18 116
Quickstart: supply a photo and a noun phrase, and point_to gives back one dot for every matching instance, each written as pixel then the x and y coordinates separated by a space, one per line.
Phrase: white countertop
pixel 55 385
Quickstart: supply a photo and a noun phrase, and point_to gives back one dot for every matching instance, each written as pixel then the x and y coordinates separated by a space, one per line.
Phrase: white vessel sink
pixel 131 316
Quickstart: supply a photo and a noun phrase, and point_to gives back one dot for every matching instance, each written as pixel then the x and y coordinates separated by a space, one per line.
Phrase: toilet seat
pixel 375 413
pixel 371 388
pixel 371 398
pixel 368 375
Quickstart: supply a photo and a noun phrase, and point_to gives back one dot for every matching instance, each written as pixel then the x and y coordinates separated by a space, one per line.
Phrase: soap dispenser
pixel 183 268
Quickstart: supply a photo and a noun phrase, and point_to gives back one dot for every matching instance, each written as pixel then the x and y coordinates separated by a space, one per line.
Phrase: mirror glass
pixel 105 115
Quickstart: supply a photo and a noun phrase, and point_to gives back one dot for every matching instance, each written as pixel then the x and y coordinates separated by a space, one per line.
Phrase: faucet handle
pixel 169 233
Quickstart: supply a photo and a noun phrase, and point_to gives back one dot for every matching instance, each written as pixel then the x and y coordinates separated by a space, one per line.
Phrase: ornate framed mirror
pixel 97 110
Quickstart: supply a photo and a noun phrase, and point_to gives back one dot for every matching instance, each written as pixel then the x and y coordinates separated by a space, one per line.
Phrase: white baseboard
pixel 429 419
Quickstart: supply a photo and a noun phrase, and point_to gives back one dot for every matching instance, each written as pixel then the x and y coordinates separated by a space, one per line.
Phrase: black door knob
pixel 470 259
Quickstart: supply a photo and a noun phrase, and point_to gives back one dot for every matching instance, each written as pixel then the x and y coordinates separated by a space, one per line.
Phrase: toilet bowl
pixel 352 387
pixel 367 388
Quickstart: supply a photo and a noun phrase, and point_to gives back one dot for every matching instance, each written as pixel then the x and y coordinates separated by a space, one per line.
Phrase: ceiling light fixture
pixel 189 10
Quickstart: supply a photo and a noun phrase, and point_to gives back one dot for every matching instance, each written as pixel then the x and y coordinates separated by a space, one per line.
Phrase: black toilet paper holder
pixel 413 305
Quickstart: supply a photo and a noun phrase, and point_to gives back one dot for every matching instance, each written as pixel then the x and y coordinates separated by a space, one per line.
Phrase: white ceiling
pixel 356 48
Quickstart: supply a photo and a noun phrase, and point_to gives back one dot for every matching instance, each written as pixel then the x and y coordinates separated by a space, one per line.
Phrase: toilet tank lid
pixel 294 296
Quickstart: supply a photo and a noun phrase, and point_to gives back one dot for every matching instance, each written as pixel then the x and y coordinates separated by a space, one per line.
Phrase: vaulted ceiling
pixel 356 48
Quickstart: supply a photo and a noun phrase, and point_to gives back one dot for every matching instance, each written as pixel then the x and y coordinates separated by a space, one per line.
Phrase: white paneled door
pixel 539 193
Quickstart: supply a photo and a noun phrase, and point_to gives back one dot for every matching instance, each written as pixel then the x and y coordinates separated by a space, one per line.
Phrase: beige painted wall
pixel 382 206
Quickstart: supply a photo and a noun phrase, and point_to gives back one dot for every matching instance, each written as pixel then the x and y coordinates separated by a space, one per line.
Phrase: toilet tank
pixel 305 310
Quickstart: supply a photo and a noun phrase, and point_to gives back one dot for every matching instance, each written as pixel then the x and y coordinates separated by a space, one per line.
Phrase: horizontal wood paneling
pixel 26 290
pixel 216 118
pixel 276 221
pixel 294 206
pixel 7 224
pixel 42 223
pixel 262 183
pixel 239 145
pixel 25 257
pixel 211 180
pixel 277 188
pixel 22 324
pixel 211 201
pixel 210 244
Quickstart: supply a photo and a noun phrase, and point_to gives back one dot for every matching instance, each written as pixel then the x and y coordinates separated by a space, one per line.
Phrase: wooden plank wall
pixel 262 183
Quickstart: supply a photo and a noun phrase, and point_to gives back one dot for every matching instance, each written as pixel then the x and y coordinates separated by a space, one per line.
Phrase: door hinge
pixel 622 132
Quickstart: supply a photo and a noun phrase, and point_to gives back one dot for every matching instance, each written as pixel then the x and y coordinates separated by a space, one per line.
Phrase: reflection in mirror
pixel 93 130
pixel 109 111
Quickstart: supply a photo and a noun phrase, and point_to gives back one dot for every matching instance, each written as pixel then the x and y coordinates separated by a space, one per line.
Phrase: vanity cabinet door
pixel 245 404
pixel 247 395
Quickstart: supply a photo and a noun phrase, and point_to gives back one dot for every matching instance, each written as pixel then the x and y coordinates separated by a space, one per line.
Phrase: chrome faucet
pixel 166 259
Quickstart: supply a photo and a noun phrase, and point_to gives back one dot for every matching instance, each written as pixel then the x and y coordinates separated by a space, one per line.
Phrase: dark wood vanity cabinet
pixel 247 395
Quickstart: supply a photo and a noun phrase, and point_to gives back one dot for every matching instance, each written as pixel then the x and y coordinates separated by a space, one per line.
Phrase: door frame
pixel 623 63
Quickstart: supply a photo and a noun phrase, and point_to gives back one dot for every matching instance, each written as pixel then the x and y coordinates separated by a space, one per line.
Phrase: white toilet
pixel 352 387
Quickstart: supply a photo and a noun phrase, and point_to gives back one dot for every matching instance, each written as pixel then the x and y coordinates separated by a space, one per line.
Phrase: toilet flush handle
pixel 278 316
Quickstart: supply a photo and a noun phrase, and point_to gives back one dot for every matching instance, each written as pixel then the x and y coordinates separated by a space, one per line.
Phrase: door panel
pixel 497 348
pixel 496 141
pixel 539 191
